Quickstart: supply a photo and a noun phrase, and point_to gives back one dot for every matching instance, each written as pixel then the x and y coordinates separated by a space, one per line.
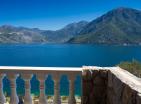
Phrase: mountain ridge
pixel 12 34
pixel 118 26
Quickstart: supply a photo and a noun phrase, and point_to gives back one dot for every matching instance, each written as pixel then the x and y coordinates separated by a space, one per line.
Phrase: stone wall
pixel 110 86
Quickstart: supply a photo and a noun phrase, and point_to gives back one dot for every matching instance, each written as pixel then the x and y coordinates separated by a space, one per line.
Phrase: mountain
pixel 64 34
pixel 118 26
pixel 11 34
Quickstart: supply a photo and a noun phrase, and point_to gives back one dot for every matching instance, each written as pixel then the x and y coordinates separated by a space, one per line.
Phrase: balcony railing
pixel 100 85
pixel 41 72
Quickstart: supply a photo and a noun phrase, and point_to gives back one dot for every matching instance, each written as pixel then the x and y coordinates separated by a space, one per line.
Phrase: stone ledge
pixel 105 85
pixel 128 78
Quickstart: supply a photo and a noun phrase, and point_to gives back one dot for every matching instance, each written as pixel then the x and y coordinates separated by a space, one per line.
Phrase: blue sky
pixel 54 14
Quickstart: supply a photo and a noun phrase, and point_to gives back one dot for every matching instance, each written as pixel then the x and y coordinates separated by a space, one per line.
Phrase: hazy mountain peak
pixel 122 9
pixel 7 26
pixel 118 26
pixel 76 24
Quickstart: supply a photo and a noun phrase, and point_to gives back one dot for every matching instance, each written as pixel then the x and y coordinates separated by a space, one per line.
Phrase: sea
pixel 62 55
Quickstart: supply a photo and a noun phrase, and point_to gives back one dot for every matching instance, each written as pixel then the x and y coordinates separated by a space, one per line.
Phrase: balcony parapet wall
pixel 110 86
pixel 100 85
pixel 41 72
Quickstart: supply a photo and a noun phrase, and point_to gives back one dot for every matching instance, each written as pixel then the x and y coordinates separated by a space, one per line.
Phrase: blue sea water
pixel 62 55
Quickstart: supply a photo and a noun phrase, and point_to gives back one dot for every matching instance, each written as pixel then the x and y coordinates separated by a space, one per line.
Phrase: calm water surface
pixel 63 55
pixel 66 55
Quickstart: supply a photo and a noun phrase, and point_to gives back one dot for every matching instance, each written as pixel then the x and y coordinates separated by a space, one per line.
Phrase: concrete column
pixel 42 98
pixel 27 97
pixel 71 99
pixel 13 97
pixel 2 97
pixel 57 98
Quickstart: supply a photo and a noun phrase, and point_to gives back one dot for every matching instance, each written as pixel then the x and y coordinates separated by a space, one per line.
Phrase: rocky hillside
pixel 64 34
pixel 119 26
pixel 11 34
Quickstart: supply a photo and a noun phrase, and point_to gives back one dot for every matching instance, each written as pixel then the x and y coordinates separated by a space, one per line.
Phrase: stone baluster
pixel 56 79
pixel 27 97
pixel 42 98
pixel 2 97
pixel 71 99
pixel 13 97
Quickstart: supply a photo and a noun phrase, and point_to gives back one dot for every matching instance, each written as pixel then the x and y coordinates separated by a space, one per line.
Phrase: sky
pixel 55 14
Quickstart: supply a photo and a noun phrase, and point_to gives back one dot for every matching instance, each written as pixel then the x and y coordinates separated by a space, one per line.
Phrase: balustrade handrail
pixel 42 68
pixel 66 69
pixel 36 70
pixel 41 72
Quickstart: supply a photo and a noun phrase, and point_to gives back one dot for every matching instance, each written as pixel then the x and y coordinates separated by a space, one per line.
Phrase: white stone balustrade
pixel 57 98
pixel 110 78
pixel 27 97
pixel 2 97
pixel 42 98
pixel 41 73
pixel 71 89
pixel 13 98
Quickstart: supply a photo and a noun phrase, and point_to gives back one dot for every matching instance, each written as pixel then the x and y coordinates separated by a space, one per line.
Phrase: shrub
pixel 133 67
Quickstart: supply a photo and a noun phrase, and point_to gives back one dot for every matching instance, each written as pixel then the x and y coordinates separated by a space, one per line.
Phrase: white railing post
pixel 13 97
pixel 27 97
pixel 71 99
pixel 42 98
pixel 2 97
pixel 57 98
